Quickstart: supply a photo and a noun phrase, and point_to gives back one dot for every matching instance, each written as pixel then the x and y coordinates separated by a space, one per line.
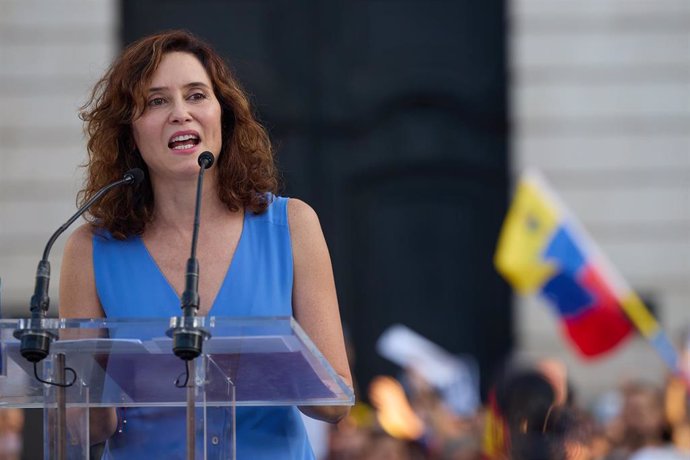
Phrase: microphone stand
pixel 188 337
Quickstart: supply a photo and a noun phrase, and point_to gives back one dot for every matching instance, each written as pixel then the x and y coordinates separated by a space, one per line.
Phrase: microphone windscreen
pixel 134 176
pixel 206 159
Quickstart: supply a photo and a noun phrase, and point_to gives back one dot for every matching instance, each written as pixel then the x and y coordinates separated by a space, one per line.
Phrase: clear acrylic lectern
pixel 120 363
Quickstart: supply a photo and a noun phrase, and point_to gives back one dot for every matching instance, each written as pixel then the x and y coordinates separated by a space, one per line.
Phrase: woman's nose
pixel 179 113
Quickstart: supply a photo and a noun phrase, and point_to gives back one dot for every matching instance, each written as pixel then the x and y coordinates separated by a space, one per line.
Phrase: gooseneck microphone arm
pixel 190 296
pixel 40 300
pixel 35 341
pixel 187 341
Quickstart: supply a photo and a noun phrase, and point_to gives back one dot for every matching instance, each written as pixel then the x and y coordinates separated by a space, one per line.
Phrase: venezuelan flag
pixel 543 250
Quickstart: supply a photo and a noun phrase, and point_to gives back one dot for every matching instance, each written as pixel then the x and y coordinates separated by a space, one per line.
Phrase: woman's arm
pixel 78 299
pixel 314 299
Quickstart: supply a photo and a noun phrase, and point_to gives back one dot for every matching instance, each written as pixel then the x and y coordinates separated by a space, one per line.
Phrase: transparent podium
pixel 100 367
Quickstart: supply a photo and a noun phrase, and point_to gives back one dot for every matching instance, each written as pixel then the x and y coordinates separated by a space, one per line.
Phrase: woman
pixel 166 99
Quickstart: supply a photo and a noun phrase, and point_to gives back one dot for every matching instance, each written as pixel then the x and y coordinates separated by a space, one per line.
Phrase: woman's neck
pixel 175 203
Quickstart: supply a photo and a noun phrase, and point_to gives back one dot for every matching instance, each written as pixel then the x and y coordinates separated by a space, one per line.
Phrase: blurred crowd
pixel 530 413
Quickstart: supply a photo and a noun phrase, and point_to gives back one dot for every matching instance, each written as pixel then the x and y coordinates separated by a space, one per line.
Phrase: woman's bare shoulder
pixel 78 297
pixel 82 236
pixel 301 215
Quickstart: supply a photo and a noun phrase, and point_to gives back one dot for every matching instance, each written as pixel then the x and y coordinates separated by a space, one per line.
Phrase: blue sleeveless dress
pixel 258 283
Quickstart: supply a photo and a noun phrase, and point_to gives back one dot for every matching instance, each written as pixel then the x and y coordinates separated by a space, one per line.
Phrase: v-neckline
pixel 225 280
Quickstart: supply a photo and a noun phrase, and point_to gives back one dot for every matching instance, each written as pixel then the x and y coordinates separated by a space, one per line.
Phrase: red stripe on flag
pixel 603 325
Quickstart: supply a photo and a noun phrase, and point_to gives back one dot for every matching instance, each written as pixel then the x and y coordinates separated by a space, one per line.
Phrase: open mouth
pixel 184 141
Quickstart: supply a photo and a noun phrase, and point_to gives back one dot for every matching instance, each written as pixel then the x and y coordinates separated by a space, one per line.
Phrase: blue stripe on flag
pixel 665 349
pixel 563 250
pixel 568 295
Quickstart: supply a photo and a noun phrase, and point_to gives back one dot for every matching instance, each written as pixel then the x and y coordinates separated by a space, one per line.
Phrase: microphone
pixel 188 338
pixel 35 341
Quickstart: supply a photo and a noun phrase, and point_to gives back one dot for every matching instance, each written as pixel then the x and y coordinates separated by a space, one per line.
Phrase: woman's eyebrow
pixel 194 84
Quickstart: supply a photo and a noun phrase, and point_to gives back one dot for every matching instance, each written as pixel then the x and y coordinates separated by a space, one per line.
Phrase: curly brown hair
pixel 245 165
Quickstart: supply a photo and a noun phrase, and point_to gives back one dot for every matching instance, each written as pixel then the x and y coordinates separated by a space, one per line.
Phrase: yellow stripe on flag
pixel 527 229
pixel 639 315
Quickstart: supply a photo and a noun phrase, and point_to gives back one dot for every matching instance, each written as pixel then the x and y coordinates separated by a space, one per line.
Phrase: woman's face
pixel 181 118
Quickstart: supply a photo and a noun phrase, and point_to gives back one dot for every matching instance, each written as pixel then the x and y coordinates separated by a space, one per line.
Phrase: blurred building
pixel 599 100
pixel 51 53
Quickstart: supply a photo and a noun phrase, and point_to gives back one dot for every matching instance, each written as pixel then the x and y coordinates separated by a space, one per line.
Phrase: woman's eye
pixel 197 96
pixel 156 101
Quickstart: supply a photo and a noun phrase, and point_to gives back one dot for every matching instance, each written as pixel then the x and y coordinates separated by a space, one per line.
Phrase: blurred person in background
pixel 645 429
pixel 676 398
pixel 387 430
pixel 350 437
pixel 11 427
pixel 608 430
pixel 526 400
pixel 528 419
pixel 676 410
pixel 450 432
